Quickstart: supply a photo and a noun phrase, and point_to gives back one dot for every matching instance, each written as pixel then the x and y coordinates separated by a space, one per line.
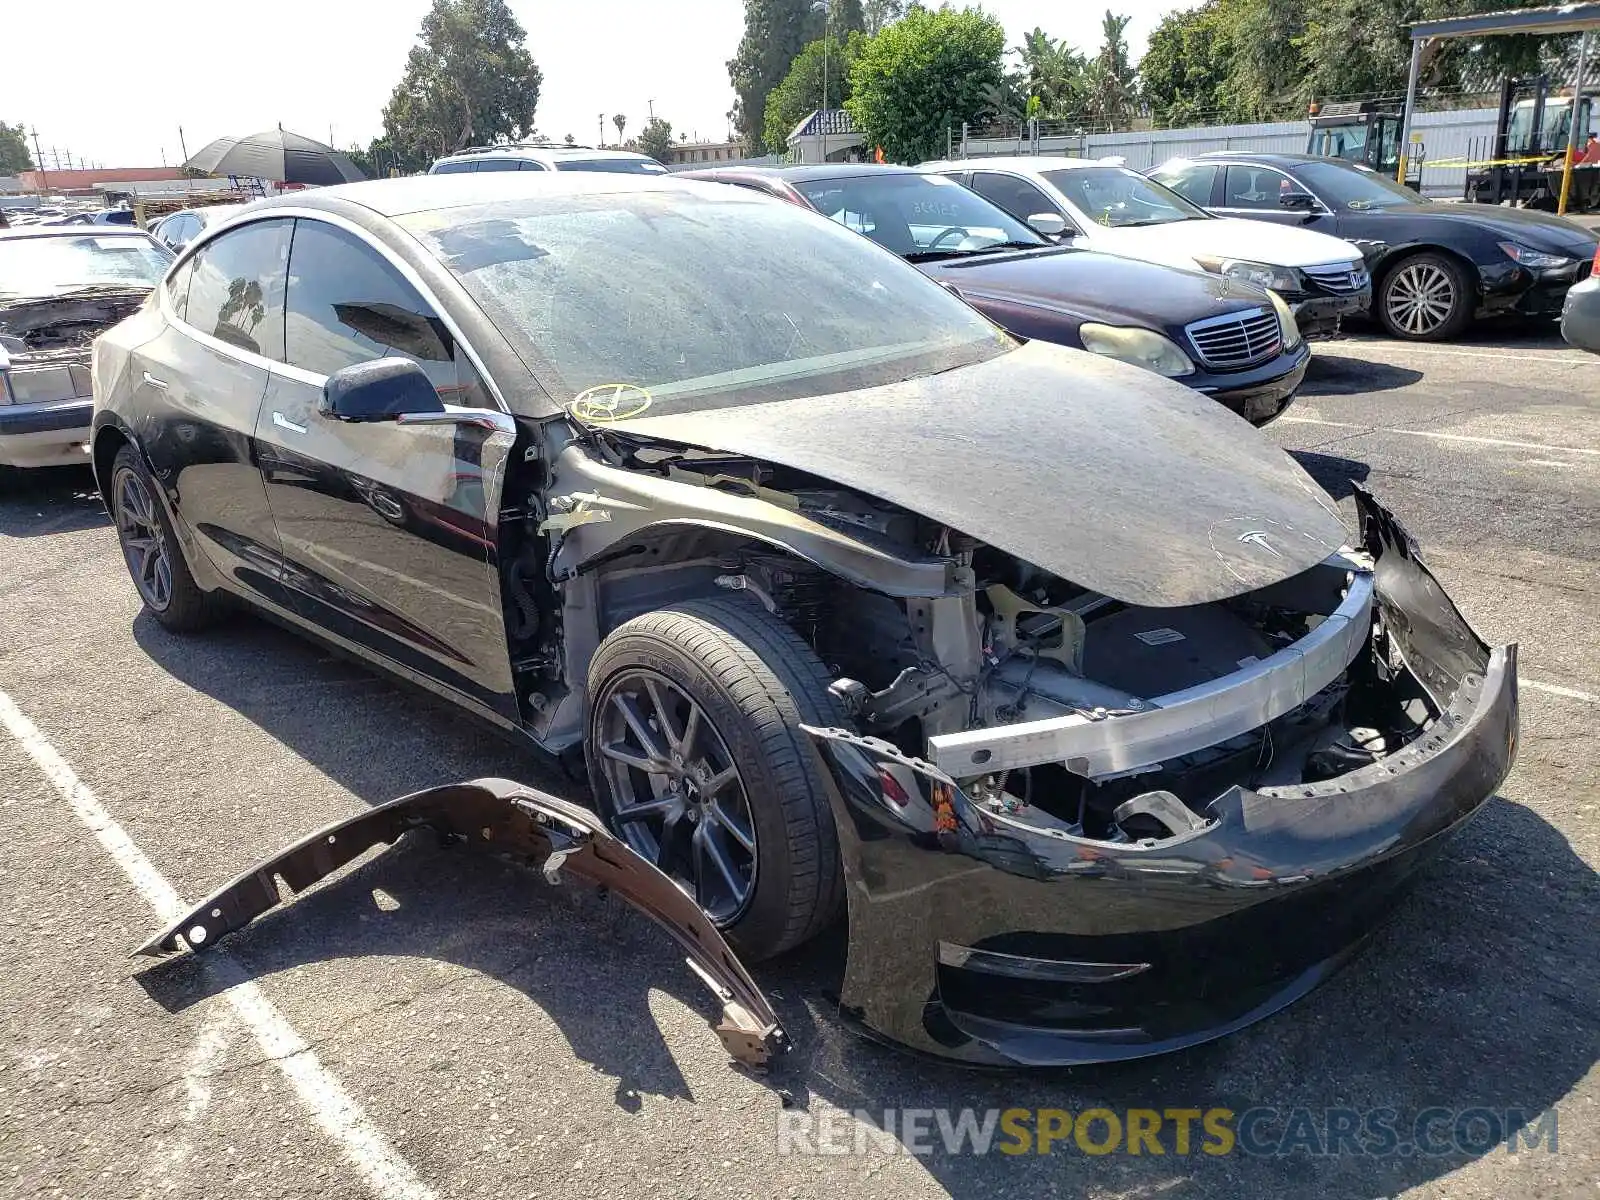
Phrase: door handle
pixel 283 422
pixel 154 382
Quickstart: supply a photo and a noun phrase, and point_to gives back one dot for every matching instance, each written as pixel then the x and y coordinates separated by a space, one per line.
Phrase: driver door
pixel 389 528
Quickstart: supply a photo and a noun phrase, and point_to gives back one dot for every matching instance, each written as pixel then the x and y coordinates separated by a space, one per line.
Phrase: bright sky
pixel 113 83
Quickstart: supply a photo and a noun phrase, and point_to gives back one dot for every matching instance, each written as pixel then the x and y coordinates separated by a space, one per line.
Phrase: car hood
pixel 1544 231
pixel 1100 472
pixel 1095 287
pixel 1178 242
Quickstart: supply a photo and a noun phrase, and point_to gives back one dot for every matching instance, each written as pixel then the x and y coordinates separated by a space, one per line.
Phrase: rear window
pixel 50 266
pixel 453 168
pixel 617 166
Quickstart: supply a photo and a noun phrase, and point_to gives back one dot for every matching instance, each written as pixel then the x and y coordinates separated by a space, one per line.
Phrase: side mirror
pixel 379 391
pixel 1050 225
pixel 1297 201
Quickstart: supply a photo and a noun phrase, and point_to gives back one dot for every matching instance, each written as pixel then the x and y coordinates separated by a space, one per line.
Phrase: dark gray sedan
pixel 1063 684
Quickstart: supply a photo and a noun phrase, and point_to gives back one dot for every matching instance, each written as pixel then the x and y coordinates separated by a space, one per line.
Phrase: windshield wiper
pixel 930 255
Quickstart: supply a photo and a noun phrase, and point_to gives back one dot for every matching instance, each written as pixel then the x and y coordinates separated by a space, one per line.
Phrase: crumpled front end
pixel 992 931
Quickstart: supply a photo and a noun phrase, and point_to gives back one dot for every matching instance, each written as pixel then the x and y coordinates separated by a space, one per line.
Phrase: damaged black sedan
pixel 1067 688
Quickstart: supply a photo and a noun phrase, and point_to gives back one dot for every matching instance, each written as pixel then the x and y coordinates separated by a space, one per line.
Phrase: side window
pixel 499 164
pixel 1017 196
pixel 1194 183
pixel 236 289
pixel 453 168
pixel 1254 187
pixel 177 286
pixel 529 165
pixel 348 305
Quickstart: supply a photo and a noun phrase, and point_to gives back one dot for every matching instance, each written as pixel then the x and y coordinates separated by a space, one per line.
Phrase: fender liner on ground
pixel 521 825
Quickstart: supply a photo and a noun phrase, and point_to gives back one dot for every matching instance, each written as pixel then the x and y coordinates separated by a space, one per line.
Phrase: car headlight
pixel 1534 260
pixel 1286 323
pixel 1142 347
pixel 1261 275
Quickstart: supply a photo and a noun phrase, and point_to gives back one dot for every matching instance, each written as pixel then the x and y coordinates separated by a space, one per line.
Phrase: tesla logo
pixel 1258 538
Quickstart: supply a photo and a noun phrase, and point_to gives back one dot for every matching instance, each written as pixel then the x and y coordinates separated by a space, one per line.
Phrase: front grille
pixel 1237 340
pixel 1341 280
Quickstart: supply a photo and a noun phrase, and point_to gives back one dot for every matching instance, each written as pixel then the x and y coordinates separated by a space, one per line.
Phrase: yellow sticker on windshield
pixel 609 402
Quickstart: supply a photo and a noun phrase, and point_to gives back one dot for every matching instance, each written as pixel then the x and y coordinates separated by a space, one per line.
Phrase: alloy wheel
pixel 144 543
pixel 676 794
pixel 1420 298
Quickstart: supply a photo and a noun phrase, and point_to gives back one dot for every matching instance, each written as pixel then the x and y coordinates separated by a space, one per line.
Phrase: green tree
pixel 1052 74
pixel 801 93
pixel 1184 71
pixel 621 122
pixel 923 74
pixel 656 140
pixel 469 79
pixel 1111 83
pixel 14 156
pixel 877 15
pixel 775 31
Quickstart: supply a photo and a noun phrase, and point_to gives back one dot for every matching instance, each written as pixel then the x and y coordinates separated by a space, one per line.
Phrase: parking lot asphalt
pixel 432 1024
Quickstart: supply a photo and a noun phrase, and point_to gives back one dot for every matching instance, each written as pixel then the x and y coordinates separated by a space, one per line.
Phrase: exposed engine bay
pixel 1007 647
pixel 46 341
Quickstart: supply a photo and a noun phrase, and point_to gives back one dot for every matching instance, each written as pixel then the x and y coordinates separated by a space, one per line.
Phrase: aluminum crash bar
pixel 1179 722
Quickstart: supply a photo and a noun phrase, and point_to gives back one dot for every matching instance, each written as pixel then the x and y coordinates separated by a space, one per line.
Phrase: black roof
pixel 1271 159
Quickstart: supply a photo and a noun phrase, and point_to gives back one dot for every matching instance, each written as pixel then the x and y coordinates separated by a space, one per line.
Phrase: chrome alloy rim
pixel 1419 298
pixel 144 545
pixel 677 796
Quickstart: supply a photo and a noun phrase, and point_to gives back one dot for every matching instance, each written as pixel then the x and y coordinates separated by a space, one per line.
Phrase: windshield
pixel 916 215
pixel 690 302
pixel 48 266
pixel 616 166
pixel 1351 187
pixel 1120 199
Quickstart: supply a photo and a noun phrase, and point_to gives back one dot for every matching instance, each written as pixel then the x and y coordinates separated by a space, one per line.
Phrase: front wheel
pixel 1426 298
pixel 699 764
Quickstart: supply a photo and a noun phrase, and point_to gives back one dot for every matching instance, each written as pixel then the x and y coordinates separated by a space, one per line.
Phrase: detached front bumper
pixel 982 938
pixel 1319 316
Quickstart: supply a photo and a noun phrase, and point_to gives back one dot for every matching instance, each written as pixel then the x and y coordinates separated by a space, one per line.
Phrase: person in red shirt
pixel 1591 151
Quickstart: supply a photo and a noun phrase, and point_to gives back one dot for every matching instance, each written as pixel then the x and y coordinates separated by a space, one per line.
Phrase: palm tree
pixel 1113 85
pixel 1052 71
pixel 621 123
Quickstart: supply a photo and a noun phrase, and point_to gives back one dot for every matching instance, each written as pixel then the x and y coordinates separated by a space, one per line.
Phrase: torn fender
pixel 522 826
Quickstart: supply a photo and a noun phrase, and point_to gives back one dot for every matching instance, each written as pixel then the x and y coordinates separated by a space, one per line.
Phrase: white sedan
pixel 1108 207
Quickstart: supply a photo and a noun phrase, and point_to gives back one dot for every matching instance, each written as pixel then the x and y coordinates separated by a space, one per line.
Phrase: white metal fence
pixel 1449 137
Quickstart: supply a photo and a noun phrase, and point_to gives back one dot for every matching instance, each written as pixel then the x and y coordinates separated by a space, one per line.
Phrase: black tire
pixel 182 605
pixel 1426 297
pixel 756 682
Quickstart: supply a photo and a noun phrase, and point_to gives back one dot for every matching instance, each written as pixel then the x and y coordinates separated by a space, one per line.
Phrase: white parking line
pixel 1496 354
pixel 386 1173
pixel 1555 689
pixel 1443 437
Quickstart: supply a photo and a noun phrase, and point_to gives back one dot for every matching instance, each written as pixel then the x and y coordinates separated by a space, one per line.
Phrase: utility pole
pixel 38 157
pixel 827 21
pixel 652 105
pixel 602 129
pixel 181 145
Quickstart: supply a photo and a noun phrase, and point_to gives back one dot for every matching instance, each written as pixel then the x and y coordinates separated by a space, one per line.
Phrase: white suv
pixel 543 156
pixel 1109 208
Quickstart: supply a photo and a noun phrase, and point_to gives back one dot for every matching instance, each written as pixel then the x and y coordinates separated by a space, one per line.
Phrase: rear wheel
pixel 151 551
pixel 1426 297
pixel 698 762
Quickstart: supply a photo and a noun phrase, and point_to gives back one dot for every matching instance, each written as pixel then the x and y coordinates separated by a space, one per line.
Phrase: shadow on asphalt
pixel 1478 995
pixel 57 500
pixel 1336 375
pixel 1335 474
